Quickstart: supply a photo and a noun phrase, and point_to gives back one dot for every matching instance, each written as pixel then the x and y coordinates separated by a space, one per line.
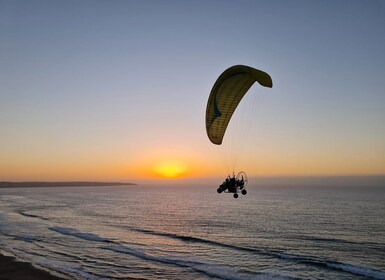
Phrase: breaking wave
pixel 211 270
pixel 78 234
pixel 358 270
pixel 25 214
pixel 307 260
pixel 214 270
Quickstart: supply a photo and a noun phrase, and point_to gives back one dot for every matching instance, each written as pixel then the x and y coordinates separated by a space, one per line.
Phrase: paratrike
pixel 227 92
pixel 234 184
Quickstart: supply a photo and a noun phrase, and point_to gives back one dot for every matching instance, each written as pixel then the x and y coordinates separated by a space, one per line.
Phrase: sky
pixel 117 90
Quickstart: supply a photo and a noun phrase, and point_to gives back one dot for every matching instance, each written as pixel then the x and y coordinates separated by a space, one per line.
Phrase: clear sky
pixel 117 90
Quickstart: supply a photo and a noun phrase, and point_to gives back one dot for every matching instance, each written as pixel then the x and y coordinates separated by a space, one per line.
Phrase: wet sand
pixel 10 269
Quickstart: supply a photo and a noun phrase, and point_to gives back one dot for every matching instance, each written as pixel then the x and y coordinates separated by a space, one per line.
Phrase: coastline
pixel 8 185
pixel 12 269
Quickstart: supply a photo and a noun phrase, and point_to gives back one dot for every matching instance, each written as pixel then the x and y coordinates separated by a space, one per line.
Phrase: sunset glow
pixel 119 91
pixel 170 169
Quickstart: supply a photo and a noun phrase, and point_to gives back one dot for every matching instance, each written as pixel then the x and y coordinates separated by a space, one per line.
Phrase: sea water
pixel 194 233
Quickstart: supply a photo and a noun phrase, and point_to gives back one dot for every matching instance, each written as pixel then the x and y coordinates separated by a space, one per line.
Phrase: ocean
pixel 184 233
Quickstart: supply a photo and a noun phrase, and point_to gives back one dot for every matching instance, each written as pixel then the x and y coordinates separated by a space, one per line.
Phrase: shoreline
pixel 13 269
pixel 37 184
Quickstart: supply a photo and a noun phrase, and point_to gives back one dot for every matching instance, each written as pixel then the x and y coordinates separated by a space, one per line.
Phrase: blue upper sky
pixel 120 82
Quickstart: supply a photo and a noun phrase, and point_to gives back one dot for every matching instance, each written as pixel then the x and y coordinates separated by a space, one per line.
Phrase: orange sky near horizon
pixel 187 164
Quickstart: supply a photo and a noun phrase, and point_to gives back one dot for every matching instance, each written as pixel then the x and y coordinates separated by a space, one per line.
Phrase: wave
pixel 350 268
pixel 201 240
pixel 78 234
pixel 25 214
pixel 358 270
pixel 24 237
pixel 338 241
pixel 211 270
pixel 323 239
pixel 28 238
pixel 307 260
pixel 203 267
pixel 64 271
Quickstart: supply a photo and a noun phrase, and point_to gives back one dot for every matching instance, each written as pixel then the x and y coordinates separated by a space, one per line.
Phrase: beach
pixel 11 269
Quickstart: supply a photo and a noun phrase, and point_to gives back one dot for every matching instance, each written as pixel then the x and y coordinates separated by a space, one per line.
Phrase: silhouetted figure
pixel 233 185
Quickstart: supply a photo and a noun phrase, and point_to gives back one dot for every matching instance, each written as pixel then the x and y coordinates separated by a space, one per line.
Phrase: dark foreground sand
pixel 10 269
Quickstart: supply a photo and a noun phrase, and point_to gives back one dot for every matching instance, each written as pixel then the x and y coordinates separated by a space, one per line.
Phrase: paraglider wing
pixel 226 94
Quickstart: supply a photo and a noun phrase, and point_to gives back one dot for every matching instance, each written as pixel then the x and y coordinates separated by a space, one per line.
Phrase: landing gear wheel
pixel 235 195
pixel 244 192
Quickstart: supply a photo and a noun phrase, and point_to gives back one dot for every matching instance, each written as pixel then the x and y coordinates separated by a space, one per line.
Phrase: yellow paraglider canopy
pixel 226 94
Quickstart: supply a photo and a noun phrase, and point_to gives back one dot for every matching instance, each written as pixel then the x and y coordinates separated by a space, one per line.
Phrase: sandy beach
pixel 10 269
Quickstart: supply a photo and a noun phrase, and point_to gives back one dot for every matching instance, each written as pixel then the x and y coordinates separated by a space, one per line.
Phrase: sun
pixel 170 169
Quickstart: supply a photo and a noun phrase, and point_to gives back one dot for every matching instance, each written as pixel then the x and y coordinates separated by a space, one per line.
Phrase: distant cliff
pixel 60 184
